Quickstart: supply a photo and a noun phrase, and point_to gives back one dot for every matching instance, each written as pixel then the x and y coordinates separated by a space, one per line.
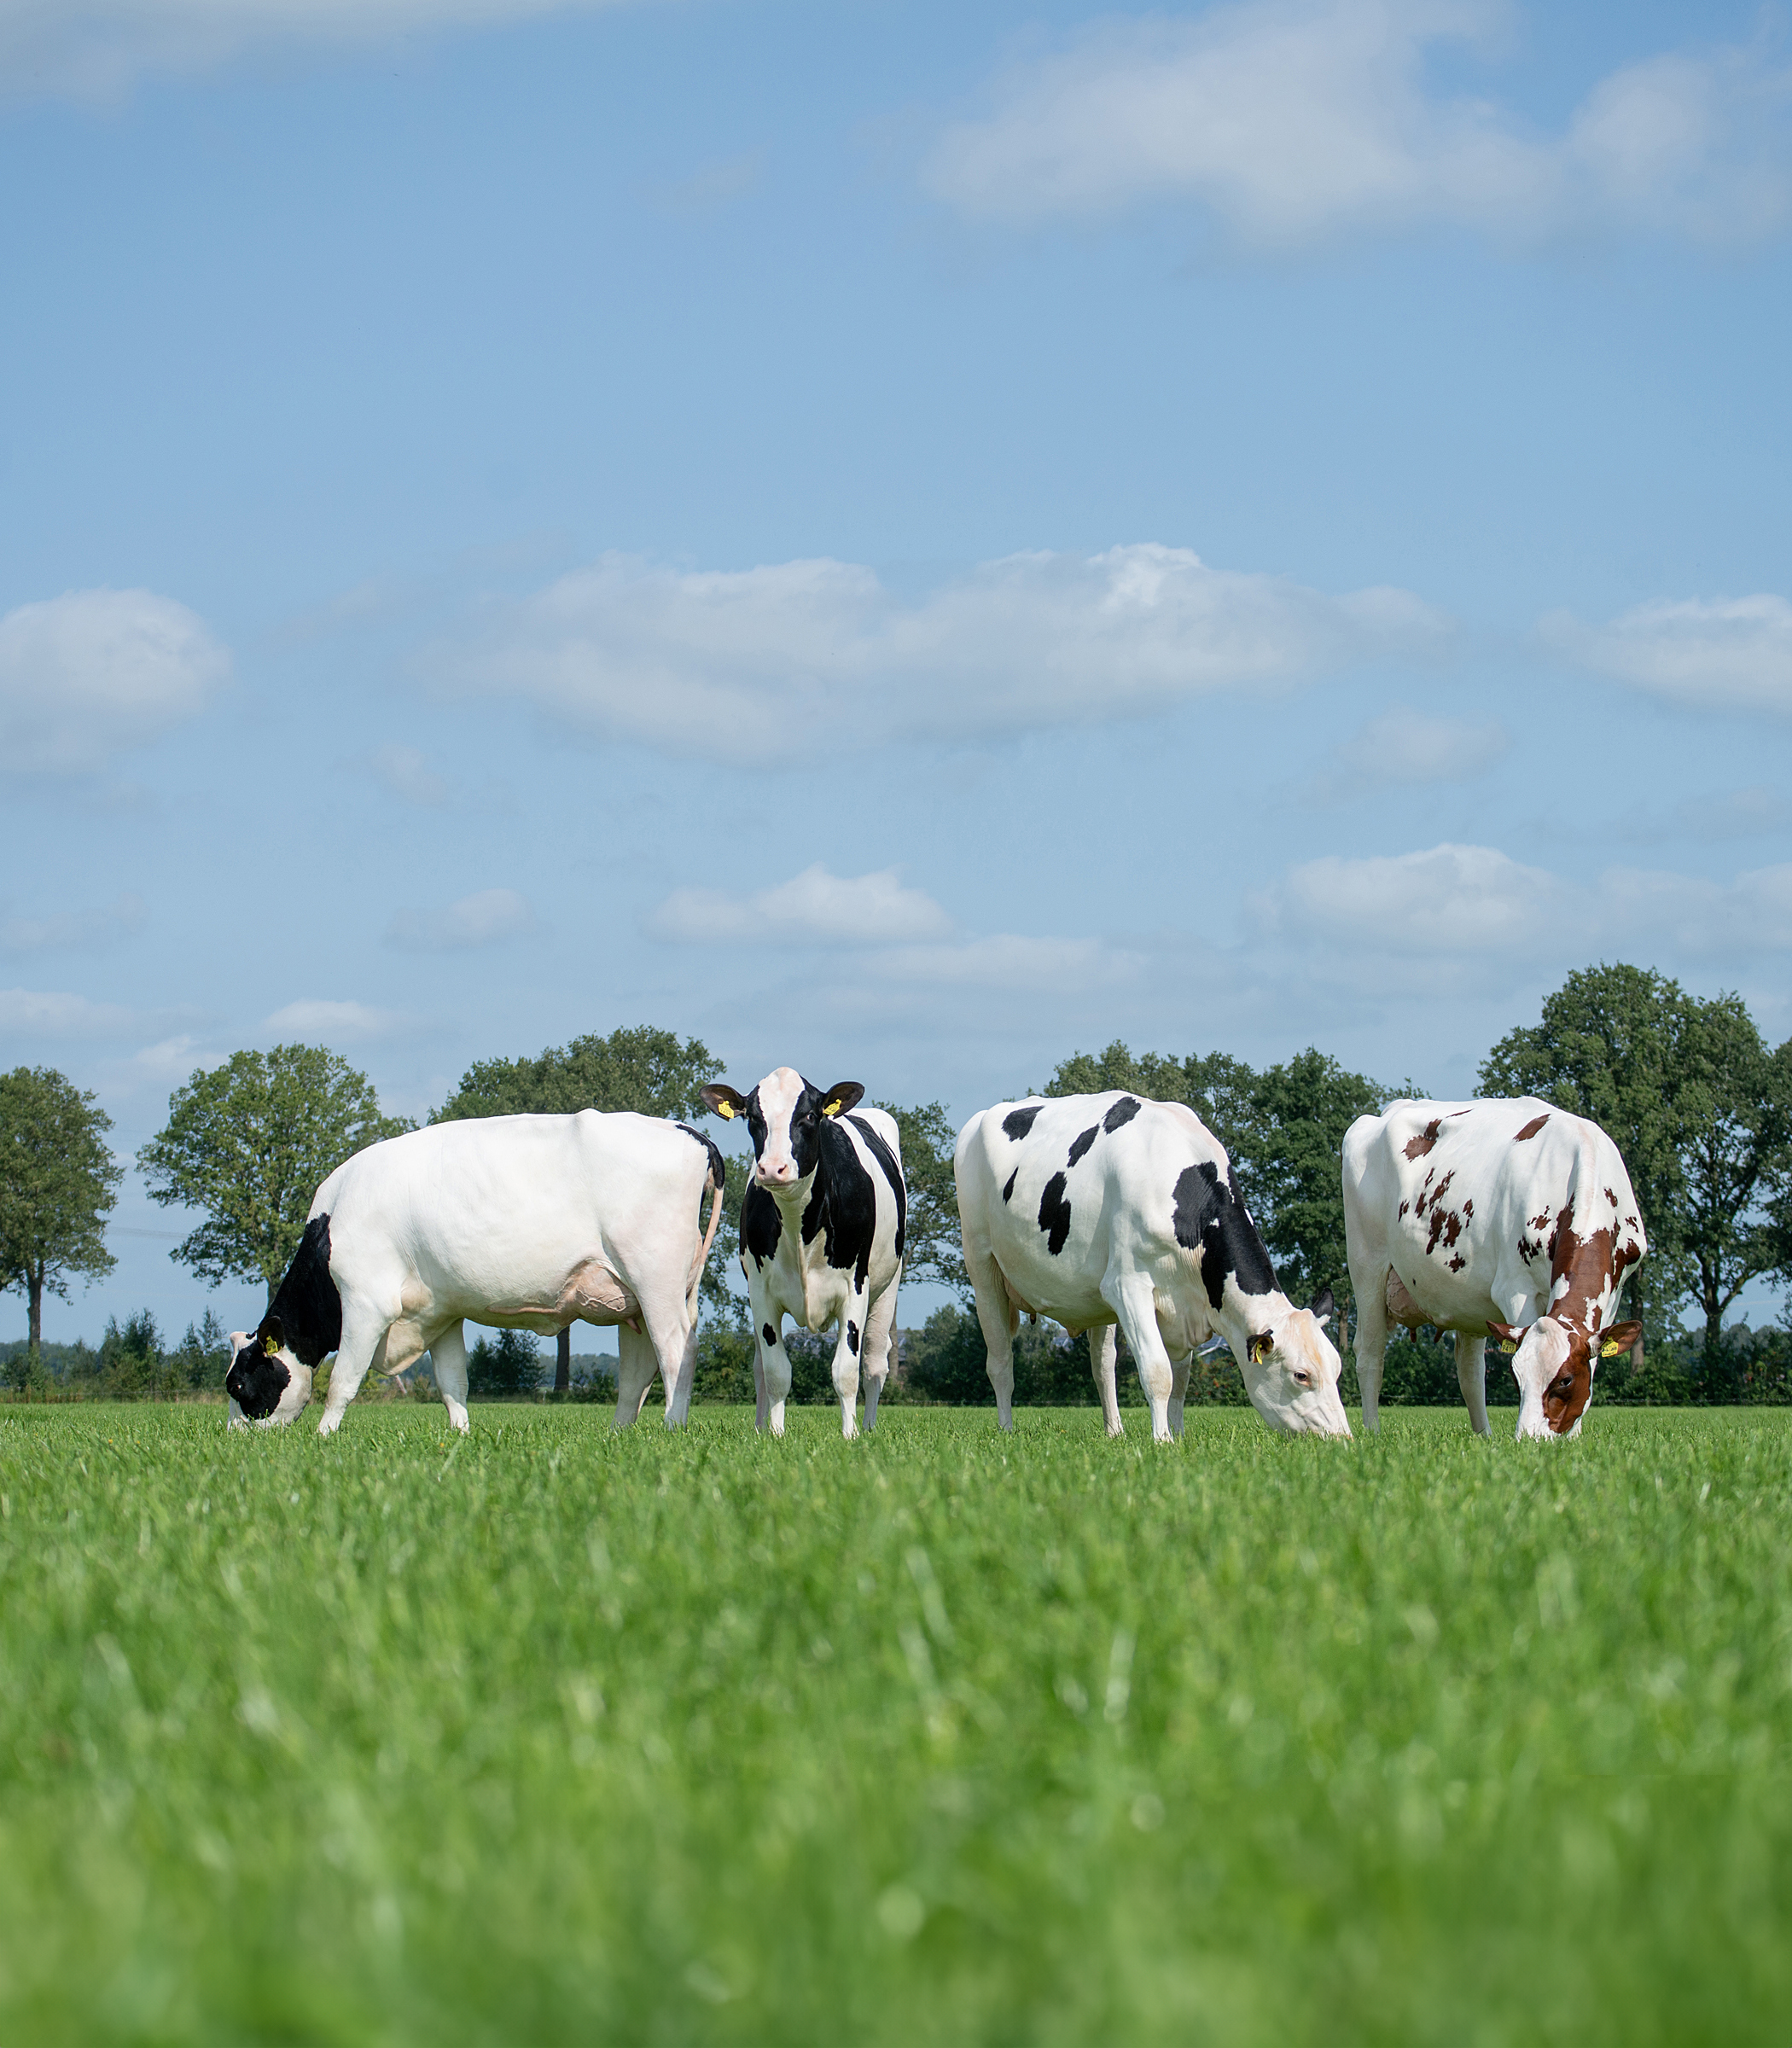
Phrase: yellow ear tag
pixel 1507 1345
pixel 724 1110
pixel 270 1347
pixel 1609 1351
pixel 831 1108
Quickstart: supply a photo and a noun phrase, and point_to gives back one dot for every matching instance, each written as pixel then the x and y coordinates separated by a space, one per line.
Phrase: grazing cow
pixel 515 1222
pixel 1094 1209
pixel 1508 1218
pixel 821 1231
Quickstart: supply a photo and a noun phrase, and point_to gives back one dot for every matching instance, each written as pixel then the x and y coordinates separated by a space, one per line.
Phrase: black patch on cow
pixel 892 1173
pixel 1081 1143
pixel 1209 1216
pixel 717 1172
pixel 1008 1185
pixel 1055 1214
pixel 1018 1122
pixel 1123 1112
pixel 771 1334
pixel 305 1320
pixel 761 1226
pixel 852 1337
pixel 843 1205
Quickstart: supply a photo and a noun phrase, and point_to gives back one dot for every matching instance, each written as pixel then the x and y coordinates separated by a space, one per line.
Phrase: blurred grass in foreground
pixel 557 1735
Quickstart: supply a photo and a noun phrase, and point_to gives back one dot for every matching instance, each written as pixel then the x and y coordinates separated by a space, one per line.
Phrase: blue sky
pixel 905 540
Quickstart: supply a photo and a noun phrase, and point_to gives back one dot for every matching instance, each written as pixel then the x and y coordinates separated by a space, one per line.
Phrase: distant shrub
pixel 503 1365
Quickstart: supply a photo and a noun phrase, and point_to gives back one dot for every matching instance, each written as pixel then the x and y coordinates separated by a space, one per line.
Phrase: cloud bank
pixel 738 665
pixel 97 48
pixel 89 675
pixel 331 1022
pixel 1728 652
pixel 1406 749
pixel 814 908
pixel 487 918
pixel 76 930
pixel 1292 120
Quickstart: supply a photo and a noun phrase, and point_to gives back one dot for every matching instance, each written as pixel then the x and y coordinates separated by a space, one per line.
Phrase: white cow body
pixel 514 1222
pixel 822 1233
pixel 1504 1217
pixel 1098 1209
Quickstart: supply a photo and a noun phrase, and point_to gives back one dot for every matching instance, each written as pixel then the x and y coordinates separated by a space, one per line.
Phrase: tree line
pixel 1698 1103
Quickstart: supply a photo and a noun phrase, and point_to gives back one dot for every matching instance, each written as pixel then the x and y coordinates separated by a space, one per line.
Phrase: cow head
pixel 783 1117
pixel 266 1384
pixel 1554 1365
pixel 1291 1368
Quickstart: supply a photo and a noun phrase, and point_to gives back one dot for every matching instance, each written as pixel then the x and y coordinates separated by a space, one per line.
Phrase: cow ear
pixel 238 1339
pixel 841 1098
pixel 1510 1338
pixel 724 1100
pixel 1324 1305
pixel 1621 1337
pixel 1260 1345
pixel 273 1335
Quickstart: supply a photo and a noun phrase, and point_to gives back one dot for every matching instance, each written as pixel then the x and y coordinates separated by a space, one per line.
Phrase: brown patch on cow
pixel 1457 1263
pixel 1401 1306
pixel 1566 1397
pixel 1542 1222
pixel 1417 1148
pixel 1531 1129
pixel 1404 1206
pixel 1583 1271
pixel 1529 1247
pixel 1468 1209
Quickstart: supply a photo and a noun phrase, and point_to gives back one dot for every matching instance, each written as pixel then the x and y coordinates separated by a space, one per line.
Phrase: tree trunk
pixel 563 1362
pixel 34 1280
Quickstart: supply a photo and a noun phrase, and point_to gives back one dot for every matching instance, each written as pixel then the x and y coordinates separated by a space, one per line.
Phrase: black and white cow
pixel 821 1229
pixel 1096 1209
pixel 1508 1218
pixel 515 1222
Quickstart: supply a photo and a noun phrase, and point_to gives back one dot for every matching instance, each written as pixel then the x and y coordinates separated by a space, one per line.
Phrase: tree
pixel 505 1362
pixel 640 1068
pixel 58 1182
pixel 932 1248
pixel 249 1143
pixel 1217 1087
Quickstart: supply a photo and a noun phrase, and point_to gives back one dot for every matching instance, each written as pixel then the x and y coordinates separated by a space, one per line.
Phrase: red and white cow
pixel 821 1230
pixel 1511 1219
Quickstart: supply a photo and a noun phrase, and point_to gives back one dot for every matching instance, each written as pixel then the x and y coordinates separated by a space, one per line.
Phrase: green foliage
pixel 248 1143
pixel 1699 1108
pixel 652 1072
pixel 58 1182
pixel 932 1249
pixel 503 1364
pixel 555 1735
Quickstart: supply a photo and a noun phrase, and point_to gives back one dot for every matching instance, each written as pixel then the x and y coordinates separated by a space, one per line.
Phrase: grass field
pixel 556 1736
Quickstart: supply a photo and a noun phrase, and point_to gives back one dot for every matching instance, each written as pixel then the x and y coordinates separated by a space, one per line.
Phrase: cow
pixel 1503 1217
pixel 514 1222
pixel 821 1229
pixel 1096 1209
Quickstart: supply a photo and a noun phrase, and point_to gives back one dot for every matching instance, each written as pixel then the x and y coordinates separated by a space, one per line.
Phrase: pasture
pixel 556 1736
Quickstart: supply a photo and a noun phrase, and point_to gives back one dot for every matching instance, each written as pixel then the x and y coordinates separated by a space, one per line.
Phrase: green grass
pixel 556 1736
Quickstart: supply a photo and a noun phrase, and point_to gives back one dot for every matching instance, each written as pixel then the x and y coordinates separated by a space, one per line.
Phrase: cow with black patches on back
pixel 1510 1218
pixel 821 1229
pixel 515 1222
pixel 1103 1209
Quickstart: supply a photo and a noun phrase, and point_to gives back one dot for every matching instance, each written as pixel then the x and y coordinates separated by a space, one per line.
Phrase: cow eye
pixel 1303 1379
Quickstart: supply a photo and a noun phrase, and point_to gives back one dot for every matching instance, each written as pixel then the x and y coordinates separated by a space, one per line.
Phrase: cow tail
pixel 714 1179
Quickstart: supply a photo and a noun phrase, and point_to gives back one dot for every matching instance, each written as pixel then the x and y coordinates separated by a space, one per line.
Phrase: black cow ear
pixel 724 1100
pixel 273 1335
pixel 841 1098
pixel 1324 1305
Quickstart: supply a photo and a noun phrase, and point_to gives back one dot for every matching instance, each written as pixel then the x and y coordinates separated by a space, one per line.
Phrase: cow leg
pixel 673 1337
pixel 1372 1344
pixel 1471 1375
pixel 759 1410
pixel 776 1387
pixel 636 1365
pixel 875 1361
pixel 1103 1344
pixel 1179 1389
pixel 853 1319
pixel 998 1320
pixel 1134 1299
pixel 448 1354
pixel 363 1345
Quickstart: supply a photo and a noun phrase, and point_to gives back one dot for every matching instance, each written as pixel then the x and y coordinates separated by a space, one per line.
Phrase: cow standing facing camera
pixel 1510 1218
pixel 1097 1209
pixel 515 1222
pixel 821 1233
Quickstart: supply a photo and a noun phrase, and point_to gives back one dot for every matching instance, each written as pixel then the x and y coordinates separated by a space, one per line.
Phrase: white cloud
pixel 43 1014
pixel 814 908
pixel 407 774
pixel 87 675
pixel 731 664
pixel 1449 899
pixel 487 918
pixel 1294 120
pixel 1008 960
pixel 314 1019
pixel 98 47
pixel 1734 653
pixel 1407 748
pixel 71 930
